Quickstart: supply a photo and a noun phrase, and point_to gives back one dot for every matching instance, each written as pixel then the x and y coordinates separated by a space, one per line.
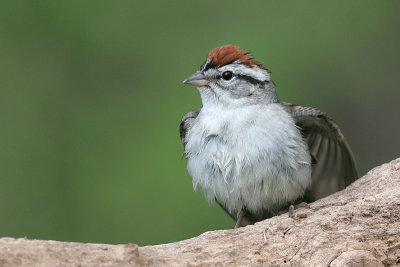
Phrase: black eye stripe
pixel 250 79
pixel 246 78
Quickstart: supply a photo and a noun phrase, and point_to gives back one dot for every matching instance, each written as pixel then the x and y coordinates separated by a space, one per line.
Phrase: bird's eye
pixel 227 75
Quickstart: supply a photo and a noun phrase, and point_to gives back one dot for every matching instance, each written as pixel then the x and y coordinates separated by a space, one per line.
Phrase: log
pixel 359 226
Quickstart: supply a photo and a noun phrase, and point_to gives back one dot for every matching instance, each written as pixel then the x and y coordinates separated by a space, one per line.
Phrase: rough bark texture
pixel 359 226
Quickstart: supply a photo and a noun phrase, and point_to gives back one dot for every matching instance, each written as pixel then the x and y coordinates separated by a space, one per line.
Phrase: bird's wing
pixel 334 167
pixel 186 123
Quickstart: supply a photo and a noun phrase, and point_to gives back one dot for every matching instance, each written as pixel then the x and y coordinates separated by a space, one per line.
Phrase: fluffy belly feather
pixel 240 162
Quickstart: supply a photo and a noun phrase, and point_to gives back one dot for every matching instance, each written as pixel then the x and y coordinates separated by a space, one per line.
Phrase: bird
pixel 252 153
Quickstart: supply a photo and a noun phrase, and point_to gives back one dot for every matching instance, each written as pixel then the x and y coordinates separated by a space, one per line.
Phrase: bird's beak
pixel 198 79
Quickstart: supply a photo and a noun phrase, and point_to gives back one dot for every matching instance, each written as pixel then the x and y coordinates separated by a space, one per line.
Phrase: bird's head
pixel 230 76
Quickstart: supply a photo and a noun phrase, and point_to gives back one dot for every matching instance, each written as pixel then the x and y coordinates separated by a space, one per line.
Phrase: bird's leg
pixel 291 210
pixel 240 218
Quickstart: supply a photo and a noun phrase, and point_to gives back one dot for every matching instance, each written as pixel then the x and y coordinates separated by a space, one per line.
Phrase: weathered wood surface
pixel 359 226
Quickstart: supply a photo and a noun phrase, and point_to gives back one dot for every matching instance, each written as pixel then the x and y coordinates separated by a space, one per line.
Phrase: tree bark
pixel 359 226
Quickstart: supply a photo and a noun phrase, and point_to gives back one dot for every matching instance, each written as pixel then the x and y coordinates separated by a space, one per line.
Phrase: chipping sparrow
pixel 252 153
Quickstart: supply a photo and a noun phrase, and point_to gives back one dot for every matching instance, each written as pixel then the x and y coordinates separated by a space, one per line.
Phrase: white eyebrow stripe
pixel 253 72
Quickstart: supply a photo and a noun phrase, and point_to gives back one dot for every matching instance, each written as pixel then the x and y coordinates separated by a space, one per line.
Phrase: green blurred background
pixel 91 97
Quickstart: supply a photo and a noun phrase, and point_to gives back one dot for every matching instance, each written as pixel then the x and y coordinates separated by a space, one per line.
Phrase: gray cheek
pixel 236 88
pixel 241 89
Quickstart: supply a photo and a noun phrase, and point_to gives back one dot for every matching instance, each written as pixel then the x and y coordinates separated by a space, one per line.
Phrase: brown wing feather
pixel 186 123
pixel 335 166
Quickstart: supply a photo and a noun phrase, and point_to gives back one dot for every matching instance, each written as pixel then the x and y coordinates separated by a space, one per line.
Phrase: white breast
pixel 252 156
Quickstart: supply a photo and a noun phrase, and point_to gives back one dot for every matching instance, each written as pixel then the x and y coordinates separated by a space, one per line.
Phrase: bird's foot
pixel 292 208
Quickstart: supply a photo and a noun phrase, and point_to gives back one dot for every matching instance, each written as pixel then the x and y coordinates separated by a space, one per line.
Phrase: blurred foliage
pixel 91 99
